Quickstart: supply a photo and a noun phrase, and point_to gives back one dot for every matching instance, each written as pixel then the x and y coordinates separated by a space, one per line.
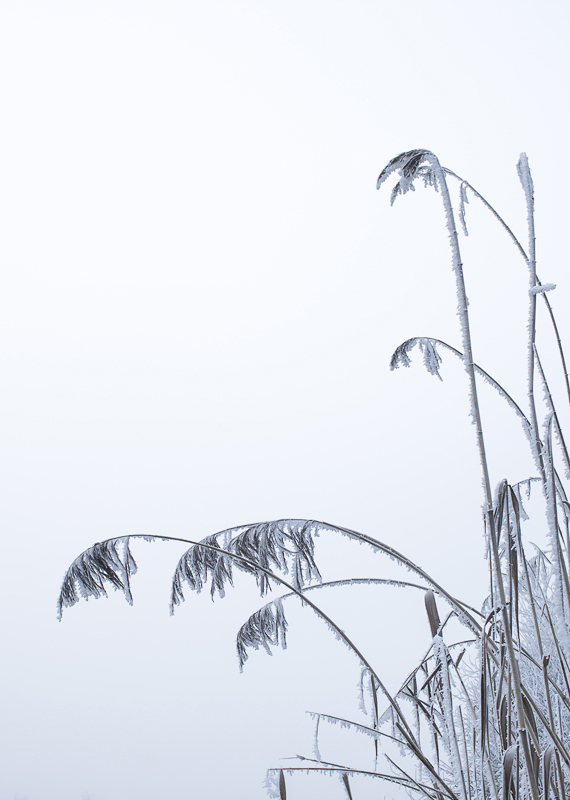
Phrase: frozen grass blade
pixel 346 784
pixel 433 616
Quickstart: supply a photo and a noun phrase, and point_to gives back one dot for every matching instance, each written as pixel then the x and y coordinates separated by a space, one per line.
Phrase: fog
pixel 201 291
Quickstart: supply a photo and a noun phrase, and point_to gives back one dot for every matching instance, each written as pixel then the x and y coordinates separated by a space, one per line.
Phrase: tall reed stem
pixel 527 184
pixel 462 306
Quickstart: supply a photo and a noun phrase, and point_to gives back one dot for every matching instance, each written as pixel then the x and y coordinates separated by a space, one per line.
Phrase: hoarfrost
pixel 94 569
pixel 463 199
pixel 316 751
pixel 432 359
pixel 541 288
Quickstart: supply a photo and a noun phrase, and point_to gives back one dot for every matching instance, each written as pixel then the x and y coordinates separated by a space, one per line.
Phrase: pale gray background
pixel 200 294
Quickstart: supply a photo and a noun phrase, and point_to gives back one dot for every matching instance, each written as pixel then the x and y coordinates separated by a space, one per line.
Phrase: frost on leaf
pixel 283 546
pixel 275 784
pixel 200 564
pixel 409 166
pixel 266 628
pixel 97 566
pixel 432 359
pixel 525 178
pixel 541 288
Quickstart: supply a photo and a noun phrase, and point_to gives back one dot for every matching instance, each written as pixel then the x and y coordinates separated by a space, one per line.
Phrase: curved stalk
pixel 485 375
pixel 558 342
pixel 522 252
pixel 349 582
pixel 407 782
pixel 490 208
pixel 462 609
pixel 550 403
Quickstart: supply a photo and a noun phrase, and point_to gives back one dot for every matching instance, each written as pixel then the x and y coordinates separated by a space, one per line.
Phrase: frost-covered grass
pixel 485 715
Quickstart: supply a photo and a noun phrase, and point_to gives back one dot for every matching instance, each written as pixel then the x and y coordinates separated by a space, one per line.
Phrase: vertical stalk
pixel 559 342
pixel 441 654
pixel 550 403
pixel 545 660
pixel 517 244
pixel 466 753
pixel 462 308
pixel 475 413
pixel 523 170
pixel 550 492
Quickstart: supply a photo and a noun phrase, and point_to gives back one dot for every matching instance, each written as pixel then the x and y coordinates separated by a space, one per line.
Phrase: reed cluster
pixel 490 726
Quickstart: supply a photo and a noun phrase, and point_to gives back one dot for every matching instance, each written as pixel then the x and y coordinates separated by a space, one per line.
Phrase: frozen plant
pixel 492 726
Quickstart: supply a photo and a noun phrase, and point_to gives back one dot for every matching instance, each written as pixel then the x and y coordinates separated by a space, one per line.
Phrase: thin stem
pixel 462 609
pixel 550 492
pixel 489 379
pixel 491 209
pixel 550 403
pixel 415 783
pixel 409 783
pixel 526 182
pixel 522 252
pixel 462 310
pixel 545 660
pixel 551 733
pixel 374 733
pixel 558 341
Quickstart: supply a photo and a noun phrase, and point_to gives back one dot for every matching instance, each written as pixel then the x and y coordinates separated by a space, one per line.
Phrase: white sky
pixel 201 290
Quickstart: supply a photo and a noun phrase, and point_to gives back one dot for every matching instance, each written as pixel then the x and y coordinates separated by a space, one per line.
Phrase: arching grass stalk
pixel 432 359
